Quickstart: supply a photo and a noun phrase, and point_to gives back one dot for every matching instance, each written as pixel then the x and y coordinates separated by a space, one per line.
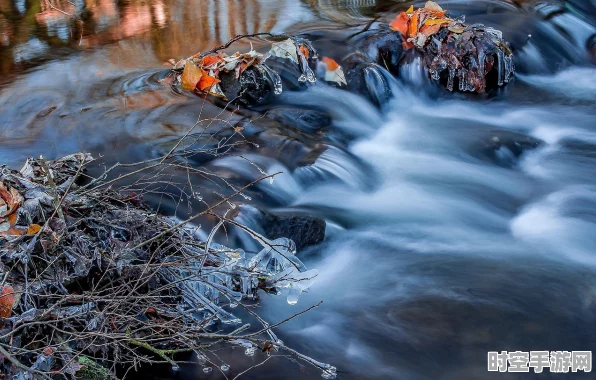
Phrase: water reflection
pixel 173 28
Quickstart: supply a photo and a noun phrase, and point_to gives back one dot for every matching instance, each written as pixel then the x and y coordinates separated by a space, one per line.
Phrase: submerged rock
pixel 303 230
pixel 504 147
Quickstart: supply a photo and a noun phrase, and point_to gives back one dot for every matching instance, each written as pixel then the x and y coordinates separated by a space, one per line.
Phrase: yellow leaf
pixel 442 21
pixel 410 10
pixel 190 76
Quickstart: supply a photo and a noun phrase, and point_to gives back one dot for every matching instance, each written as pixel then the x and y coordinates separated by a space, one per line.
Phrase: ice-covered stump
pixel 461 56
pixel 467 58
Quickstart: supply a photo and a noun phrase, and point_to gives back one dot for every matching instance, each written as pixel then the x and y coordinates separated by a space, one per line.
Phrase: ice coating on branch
pixel 278 261
pixel 294 280
pixel 220 275
pixel 275 256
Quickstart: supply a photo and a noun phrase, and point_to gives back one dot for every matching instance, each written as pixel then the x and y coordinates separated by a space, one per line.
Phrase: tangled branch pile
pixel 92 276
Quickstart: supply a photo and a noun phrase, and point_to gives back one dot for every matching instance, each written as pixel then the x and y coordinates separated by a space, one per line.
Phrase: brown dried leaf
pixel 6 301
pixel 33 229
pixel 10 200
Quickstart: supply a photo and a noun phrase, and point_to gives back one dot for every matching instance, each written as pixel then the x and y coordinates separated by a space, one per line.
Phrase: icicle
pixel 434 74
pixel 307 74
pixel 462 81
pixel 500 64
pixel 481 61
pixel 508 68
pixel 438 43
pixel 450 79
pixel 274 77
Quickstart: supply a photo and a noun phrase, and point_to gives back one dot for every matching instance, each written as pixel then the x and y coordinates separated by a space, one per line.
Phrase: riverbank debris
pixel 93 279
pixel 453 51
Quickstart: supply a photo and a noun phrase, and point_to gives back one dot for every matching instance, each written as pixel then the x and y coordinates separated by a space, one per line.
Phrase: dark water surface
pixel 447 236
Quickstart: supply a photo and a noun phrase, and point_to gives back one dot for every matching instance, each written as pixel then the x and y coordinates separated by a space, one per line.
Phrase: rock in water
pixel 303 230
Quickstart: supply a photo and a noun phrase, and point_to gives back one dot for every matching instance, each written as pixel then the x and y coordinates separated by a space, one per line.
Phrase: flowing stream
pixel 456 224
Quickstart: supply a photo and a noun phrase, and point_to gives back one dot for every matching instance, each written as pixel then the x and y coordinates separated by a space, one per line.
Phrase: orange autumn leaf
pixel 400 23
pixel 210 60
pixel 304 51
pixel 413 28
pixel 331 64
pixel 12 229
pixel 206 82
pixel 429 30
pixel 33 229
pixel 6 301
pixel 190 76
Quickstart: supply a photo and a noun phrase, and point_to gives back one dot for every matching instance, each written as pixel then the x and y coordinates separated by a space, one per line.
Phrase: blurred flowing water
pixel 456 224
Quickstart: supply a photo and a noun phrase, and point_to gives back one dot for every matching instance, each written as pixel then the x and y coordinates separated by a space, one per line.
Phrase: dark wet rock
pixel 302 229
pixel 383 47
pixel 504 147
pixel 288 72
pixel 308 121
pixel 370 81
pixel 592 48
pixel 252 87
